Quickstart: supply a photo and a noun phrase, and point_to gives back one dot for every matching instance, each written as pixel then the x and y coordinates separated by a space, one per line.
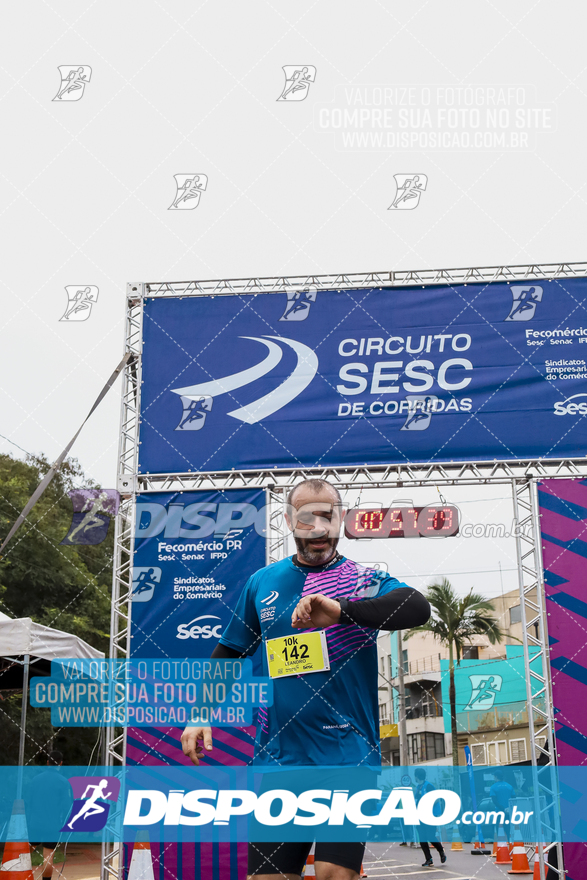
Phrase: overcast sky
pixel 86 185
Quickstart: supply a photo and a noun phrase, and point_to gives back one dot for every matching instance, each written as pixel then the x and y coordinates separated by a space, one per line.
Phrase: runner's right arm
pixel 240 639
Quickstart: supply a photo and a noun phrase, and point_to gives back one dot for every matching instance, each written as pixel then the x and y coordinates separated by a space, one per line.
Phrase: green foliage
pixel 455 620
pixel 61 586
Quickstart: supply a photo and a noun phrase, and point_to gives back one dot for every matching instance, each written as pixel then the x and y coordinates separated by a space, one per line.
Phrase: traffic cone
pixel 519 860
pixel 309 870
pixel 16 861
pixel 494 853
pixel 457 843
pixel 536 875
pixel 503 850
pixel 141 863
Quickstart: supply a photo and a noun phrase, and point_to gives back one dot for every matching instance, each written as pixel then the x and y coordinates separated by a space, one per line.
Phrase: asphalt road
pixel 387 860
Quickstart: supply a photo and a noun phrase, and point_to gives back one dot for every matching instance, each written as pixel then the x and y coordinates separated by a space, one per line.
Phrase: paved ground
pixel 383 861
pixel 82 863
pixel 388 860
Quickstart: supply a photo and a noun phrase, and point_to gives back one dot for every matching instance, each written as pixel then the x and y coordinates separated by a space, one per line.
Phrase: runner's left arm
pixel 401 608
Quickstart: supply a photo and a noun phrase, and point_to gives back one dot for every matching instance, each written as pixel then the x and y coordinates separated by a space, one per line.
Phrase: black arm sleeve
pixel 400 609
pixel 223 652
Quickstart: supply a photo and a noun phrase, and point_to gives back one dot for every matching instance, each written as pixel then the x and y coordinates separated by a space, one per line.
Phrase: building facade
pixel 496 733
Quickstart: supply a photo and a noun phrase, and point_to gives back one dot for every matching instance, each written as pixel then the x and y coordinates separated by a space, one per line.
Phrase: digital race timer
pixel 402 522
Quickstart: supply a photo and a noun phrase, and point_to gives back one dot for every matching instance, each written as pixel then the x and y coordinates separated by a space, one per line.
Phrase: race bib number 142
pixel 297 655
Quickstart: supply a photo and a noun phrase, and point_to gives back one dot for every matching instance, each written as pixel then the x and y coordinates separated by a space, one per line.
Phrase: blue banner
pixel 312 378
pixel 194 552
pixel 339 803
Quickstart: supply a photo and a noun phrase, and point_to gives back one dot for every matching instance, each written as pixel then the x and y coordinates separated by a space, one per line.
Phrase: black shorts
pixel 290 858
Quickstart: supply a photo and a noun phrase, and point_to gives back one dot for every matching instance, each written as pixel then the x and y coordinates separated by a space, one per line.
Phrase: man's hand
pixel 190 742
pixel 315 610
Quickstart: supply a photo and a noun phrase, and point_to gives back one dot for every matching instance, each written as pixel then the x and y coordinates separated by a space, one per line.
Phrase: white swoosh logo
pixel 237 380
pixel 295 383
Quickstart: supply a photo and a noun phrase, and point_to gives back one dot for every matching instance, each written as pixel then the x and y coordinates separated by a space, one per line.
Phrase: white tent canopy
pixel 23 636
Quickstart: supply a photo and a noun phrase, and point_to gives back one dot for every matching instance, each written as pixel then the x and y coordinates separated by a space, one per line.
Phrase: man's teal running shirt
pixel 329 717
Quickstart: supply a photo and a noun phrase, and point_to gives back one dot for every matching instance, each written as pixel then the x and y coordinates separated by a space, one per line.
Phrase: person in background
pixel 51 787
pixel 427 832
pixel 500 793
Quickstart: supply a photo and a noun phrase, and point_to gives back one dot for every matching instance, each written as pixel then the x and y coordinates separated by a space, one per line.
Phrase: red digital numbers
pixel 368 521
pixel 403 522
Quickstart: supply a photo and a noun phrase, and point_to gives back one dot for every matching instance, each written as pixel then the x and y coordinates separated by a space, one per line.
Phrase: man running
pixel 328 715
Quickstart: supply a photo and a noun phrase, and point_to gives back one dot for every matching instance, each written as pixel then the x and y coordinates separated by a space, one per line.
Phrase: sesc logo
pixel 192 630
pixel 570 407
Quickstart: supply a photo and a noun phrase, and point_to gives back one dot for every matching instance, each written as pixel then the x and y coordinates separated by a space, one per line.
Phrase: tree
pixel 453 622
pixel 67 587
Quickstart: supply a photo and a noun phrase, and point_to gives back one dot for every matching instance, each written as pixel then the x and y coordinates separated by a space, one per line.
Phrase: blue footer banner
pixel 230 804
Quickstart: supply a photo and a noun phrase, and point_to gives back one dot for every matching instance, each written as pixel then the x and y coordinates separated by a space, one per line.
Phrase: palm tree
pixel 454 621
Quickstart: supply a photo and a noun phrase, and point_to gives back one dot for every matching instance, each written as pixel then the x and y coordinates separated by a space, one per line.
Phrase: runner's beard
pixel 315 556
